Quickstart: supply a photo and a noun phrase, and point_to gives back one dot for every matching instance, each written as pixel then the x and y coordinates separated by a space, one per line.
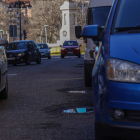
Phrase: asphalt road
pixel 38 94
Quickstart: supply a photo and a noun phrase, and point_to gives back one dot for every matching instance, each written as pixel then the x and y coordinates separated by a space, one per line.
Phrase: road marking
pixel 77 91
pixel 11 74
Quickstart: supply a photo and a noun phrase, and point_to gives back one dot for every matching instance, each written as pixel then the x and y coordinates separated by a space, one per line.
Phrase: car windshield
pixel 98 15
pixel 42 46
pixel 17 45
pixel 127 16
pixel 70 43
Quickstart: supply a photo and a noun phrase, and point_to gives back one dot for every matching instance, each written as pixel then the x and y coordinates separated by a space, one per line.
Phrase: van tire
pixel 4 92
pixel 88 78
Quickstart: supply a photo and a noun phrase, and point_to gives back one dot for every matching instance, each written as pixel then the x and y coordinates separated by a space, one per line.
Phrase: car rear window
pixel 70 43
pixel 42 46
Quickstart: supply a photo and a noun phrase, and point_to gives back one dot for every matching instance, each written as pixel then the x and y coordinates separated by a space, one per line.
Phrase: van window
pixel 127 16
pixel 98 15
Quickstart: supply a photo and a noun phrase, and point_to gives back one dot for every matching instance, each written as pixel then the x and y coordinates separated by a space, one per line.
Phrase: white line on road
pixel 76 91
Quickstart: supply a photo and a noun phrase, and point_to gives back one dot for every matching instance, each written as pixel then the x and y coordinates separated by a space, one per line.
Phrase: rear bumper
pixel 71 54
pixel 45 55
pixel 17 61
pixel 119 131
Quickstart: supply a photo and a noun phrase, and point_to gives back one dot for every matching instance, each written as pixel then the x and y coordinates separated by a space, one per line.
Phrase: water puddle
pixel 80 110
pixel 76 91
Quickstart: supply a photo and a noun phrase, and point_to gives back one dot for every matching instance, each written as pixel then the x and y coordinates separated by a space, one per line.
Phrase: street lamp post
pixel 20 4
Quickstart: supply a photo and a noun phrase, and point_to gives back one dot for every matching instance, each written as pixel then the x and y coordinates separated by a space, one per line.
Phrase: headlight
pixel 63 49
pixel 119 70
pixel 76 48
pixel 21 54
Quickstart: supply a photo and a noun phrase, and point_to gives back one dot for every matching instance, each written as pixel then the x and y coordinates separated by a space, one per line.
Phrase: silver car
pixel 45 50
pixel 3 70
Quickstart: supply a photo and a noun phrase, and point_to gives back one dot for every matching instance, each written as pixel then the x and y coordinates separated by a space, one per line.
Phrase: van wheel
pixel 4 92
pixel 39 60
pixel 88 78
pixel 98 136
pixel 28 61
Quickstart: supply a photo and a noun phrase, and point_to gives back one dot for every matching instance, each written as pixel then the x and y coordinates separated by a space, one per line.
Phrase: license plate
pixel 12 58
pixel 69 52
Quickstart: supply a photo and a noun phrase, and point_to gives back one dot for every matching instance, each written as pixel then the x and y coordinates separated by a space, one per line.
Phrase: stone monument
pixel 69 21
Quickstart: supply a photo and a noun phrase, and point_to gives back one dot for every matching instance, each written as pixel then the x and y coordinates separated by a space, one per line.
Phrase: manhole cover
pixel 80 110
pixel 76 91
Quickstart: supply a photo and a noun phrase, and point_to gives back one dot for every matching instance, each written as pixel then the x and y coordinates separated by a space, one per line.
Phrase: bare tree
pixel 82 11
pixel 44 13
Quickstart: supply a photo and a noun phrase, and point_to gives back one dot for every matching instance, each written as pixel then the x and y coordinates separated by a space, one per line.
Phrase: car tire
pixel 62 56
pixel 28 61
pixel 49 57
pixel 4 92
pixel 79 56
pixel 87 78
pixel 98 136
pixel 39 60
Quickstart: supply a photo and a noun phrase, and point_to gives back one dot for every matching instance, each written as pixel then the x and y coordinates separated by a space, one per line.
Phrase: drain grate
pixel 80 110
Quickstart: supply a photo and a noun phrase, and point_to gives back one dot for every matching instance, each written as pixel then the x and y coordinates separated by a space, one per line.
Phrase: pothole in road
pixel 76 91
pixel 79 110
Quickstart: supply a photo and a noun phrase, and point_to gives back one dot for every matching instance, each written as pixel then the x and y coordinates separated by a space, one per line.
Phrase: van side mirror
pixel 92 31
pixel 3 41
pixel 78 30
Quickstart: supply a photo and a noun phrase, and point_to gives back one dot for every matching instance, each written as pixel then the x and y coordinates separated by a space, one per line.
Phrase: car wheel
pixel 4 92
pixel 62 56
pixel 87 78
pixel 49 57
pixel 14 64
pixel 39 60
pixel 79 56
pixel 28 61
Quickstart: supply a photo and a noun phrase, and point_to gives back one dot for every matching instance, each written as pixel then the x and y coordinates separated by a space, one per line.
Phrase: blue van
pixel 116 73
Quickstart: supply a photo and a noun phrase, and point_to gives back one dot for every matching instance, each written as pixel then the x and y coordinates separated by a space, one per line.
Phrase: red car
pixel 70 48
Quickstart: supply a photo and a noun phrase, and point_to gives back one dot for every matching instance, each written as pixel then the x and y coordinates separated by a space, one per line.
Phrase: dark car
pixel 45 50
pixel 23 52
pixel 3 70
pixel 70 48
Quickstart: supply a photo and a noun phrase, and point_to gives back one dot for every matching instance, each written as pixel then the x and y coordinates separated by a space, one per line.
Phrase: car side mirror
pixel 78 30
pixel 3 41
pixel 92 31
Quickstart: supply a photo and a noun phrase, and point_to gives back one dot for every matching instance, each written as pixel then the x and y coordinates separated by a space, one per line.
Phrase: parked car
pixel 116 73
pixel 23 52
pixel 45 50
pixel 3 70
pixel 97 13
pixel 70 48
